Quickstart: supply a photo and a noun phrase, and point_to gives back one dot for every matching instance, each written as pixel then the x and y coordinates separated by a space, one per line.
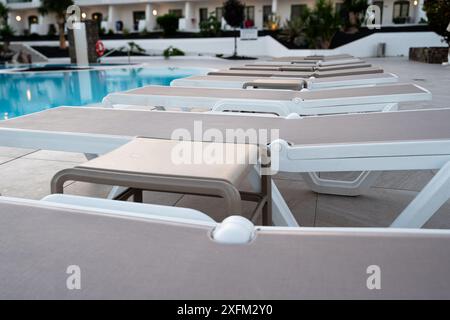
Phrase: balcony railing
pixel 18 1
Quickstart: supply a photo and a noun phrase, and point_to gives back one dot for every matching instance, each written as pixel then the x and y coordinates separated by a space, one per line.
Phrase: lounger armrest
pixel 285 84
pixel 259 106
pixel 128 208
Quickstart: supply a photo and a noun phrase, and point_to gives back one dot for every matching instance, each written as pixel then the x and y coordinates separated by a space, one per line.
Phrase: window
pixel 137 15
pixel 249 13
pixel 177 12
pixel 401 12
pixel 203 14
pixel 32 20
pixel 380 4
pixel 297 10
pixel 219 13
pixel 97 17
pixel 267 12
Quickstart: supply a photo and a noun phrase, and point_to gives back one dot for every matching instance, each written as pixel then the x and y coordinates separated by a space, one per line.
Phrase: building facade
pixel 135 16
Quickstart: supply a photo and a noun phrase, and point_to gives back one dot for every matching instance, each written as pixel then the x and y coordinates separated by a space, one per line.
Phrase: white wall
pixel 397 44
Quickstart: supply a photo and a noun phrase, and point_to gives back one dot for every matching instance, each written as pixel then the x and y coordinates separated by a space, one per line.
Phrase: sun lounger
pixel 303 68
pixel 403 140
pixel 145 164
pixel 316 57
pixel 306 63
pixel 284 83
pixel 296 74
pixel 279 102
pixel 125 250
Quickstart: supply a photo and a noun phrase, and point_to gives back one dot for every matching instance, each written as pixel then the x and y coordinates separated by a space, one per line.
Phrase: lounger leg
pixel 266 190
pixel 90 156
pixel 342 188
pixel 138 196
pixel 427 202
pixel 115 191
pixel 281 214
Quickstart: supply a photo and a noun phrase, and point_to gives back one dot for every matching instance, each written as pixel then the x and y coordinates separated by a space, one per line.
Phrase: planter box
pixel 429 55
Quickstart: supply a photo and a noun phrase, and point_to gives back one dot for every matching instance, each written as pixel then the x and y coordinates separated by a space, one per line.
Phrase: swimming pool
pixel 24 93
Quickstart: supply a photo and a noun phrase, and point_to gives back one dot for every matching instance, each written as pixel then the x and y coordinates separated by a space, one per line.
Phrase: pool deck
pixel 27 173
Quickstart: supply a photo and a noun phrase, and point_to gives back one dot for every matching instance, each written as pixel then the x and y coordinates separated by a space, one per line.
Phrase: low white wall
pixel 397 44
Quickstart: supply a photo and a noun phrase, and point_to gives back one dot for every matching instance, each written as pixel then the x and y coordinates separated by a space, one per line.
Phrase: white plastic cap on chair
pixel 293 116
pixel 234 230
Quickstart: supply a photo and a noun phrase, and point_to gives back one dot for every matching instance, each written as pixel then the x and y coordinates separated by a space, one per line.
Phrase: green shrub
pixel 210 27
pixel 438 14
pixel 315 28
pixel 352 13
pixel 6 32
pixel 321 25
pixel 294 30
pixel 4 10
pixel 135 48
pixel 171 52
pixel 169 23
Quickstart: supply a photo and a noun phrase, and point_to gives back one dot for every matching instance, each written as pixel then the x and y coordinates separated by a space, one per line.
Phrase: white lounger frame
pixel 417 155
pixel 278 107
pixel 311 84
pixel 319 63
pixel 304 262
pixel 93 145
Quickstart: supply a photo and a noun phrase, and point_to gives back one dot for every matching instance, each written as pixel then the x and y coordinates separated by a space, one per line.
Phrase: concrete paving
pixel 27 173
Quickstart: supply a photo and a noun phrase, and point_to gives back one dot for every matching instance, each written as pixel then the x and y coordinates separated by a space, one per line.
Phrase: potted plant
pixel 233 13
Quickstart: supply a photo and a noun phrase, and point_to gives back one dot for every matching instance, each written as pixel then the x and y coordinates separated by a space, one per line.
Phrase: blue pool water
pixel 24 93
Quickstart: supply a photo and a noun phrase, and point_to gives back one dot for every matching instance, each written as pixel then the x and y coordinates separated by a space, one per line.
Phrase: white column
pixel 150 19
pixel 421 14
pixel 43 25
pixel 81 47
pixel 189 15
pixel 112 18
pixel 274 6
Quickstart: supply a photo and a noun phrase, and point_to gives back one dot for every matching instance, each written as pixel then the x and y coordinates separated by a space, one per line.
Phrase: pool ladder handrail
pixel 112 51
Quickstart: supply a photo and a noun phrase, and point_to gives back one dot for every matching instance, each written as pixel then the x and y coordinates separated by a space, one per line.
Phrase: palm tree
pixel 322 23
pixel 4 10
pixel 58 8
pixel 352 11
pixel 5 31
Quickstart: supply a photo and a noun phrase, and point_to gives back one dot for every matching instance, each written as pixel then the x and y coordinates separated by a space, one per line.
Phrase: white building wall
pixel 284 8
pixel 124 10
